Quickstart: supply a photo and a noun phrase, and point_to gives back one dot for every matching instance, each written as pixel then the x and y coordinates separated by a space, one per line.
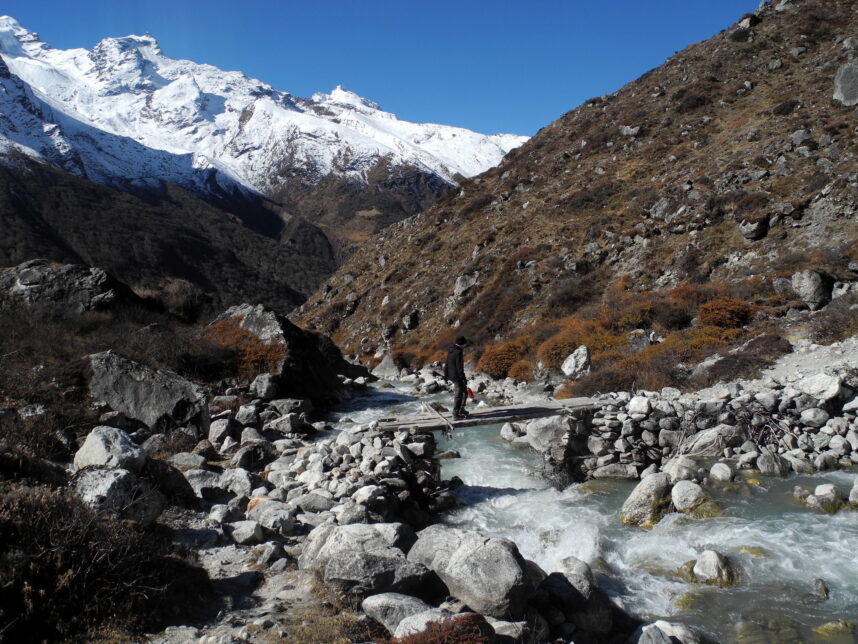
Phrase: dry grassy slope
pixel 568 214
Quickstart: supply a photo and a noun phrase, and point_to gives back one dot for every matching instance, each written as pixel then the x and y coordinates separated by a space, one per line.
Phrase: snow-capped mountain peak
pixel 127 91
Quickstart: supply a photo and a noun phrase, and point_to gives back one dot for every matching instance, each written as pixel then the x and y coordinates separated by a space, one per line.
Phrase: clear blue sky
pixel 491 66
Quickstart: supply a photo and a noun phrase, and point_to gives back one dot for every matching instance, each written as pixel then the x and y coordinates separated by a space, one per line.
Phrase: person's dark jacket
pixel 454 368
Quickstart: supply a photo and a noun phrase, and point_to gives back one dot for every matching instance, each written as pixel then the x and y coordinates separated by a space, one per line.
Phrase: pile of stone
pixel 803 426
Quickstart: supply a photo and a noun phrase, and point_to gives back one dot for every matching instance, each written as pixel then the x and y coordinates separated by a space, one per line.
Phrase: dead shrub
pixel 835 322
pixel 253 355
pixel 67 571
pixel 497 359
pixel 463 629
pixel 725 312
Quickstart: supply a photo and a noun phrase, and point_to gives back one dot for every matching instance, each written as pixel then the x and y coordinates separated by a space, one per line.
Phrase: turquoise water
pixel 780 547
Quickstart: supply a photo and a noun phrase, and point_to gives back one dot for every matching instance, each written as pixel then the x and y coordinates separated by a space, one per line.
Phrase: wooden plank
pixel 489 415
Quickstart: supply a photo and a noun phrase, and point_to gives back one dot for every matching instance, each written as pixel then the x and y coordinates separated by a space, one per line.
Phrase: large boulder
pixel 310 362
pixel 110 447
pixel 389 609
pixel 812 287
pixel 358 574
pixel 154 397
pixel 846 84
pixel 821 386
pixel 489 575
pixel 118 492
pixel 386 369
pixel 575 594
pixel 40 281
pixel 648 502
pixel 275 516
pixel 543 434
pixel 577 364
pixel 328 540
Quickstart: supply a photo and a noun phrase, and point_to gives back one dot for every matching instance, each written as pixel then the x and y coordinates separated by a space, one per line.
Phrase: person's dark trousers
pixel 460 391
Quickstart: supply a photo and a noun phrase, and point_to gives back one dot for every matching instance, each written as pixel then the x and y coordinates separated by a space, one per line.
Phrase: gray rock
pixel 616 471
pixel 711 442
pixel 273 515
pixel 812 287
pixel 772 464
pixel 418 622
pixel 293 406
pixel 686 495
pixel 715 569
pixel 41 281
pixel 389 609
pixel 188 461
pixel 681 468
pixel 153 397
pixel 266 386
pixel 648 501
pixel 577 364
pixel 110 447
pixel 846 84
pixel 509 431
pixel 820 386
pixel 465 283
pixel 489 575
pixel 754 230
pixel 853 493
pixel 721 472
pixel 576 596
pixel 814 417
pixel 358 574
pixel 386 369
pixel 118 492
pixel 639 405
pixel 661 632
pixel 799 464
pixel 328 540
pixel 544 434
pixel 205 484
pixel 244 532
pixel 315 502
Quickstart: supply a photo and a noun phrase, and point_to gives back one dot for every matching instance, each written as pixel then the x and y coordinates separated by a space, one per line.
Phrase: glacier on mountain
pixel 125 112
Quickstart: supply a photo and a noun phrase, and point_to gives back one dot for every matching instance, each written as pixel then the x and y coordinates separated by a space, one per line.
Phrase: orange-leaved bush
pixel 725 312
pixel 522 370
pixel 498 358
pixel 254 355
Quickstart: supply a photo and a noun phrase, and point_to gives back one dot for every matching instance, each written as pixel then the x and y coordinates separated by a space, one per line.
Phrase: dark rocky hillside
pixel 726 168
pixel 150 242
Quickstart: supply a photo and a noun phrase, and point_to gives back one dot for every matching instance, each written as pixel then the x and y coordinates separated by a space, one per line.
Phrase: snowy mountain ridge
pixel 124 111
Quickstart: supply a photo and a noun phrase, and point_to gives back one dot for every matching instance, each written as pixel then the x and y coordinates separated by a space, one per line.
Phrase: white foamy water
pixel 780 547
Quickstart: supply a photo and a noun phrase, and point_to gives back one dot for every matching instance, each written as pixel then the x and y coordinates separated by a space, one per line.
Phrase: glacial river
pixel 780 547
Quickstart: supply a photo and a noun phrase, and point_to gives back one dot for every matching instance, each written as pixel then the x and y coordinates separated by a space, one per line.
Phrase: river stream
pixel 780 547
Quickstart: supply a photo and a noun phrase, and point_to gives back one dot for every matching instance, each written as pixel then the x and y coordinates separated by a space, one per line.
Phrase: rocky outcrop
pixel 311 367
pixel 80 288
pixel 154 397
pixel 489 575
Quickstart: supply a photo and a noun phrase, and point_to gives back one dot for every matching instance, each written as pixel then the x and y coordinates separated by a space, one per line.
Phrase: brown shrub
pixel 462 629
pixel 497 359
pixel 522 371
pixel 254 355
pixel 725 312
pixel 836 321
pixel 67 571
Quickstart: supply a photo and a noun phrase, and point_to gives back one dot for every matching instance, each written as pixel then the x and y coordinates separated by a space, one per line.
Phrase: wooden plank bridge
pixel 431 420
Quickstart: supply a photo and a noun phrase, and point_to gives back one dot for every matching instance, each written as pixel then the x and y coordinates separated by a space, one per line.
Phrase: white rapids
pixel 780 547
